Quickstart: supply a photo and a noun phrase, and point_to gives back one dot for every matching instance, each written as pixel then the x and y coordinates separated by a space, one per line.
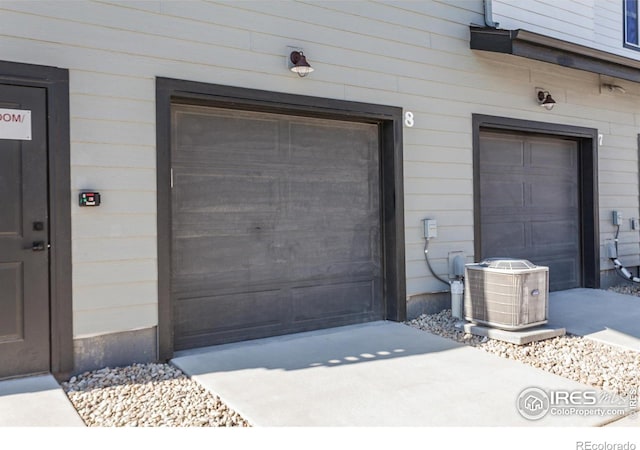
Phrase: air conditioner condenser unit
pixel 510 294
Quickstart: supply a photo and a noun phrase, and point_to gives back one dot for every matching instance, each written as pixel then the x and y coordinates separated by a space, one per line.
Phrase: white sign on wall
pixel 15 124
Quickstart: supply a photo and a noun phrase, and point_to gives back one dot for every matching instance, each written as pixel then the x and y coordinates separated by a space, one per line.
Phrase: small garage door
pixel 275 224
pixel 529 203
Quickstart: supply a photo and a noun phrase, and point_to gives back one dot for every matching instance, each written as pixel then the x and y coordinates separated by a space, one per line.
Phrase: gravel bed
pixel 151 395
pixel 583 360
pixel 147 395
pixel 627 289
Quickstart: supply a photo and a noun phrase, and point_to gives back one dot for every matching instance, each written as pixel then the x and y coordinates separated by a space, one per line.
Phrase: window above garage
pixel 631 39
pixel 556 51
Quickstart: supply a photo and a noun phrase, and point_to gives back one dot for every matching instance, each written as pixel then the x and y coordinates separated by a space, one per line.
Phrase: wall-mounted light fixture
pixel 298 63
pixel 544 99
pixel 612 88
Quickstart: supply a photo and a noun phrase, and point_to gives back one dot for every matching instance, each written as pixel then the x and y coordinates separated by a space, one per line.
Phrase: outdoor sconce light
pixel 612 88
pixel 545 99
pixel 299 64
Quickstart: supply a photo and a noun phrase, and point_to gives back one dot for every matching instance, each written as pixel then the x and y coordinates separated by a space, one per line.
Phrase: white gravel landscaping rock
pixel 147 395
pixel 627 289
pixel 583 360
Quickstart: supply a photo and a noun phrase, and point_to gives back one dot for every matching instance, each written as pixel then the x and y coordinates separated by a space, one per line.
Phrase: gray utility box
pixel 510 294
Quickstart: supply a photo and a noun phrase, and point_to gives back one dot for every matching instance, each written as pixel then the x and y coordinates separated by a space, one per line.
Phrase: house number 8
pixel 408 119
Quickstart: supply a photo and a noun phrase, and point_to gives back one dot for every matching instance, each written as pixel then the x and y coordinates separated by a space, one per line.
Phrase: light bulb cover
pixel 300 64
pixel 545 100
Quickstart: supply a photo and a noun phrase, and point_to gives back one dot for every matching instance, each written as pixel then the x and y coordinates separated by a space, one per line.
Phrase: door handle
pixel 37 246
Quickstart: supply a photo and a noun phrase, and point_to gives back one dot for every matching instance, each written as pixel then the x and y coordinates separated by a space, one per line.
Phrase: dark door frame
pixel 389 120
pixel 56 83
pixel 587 139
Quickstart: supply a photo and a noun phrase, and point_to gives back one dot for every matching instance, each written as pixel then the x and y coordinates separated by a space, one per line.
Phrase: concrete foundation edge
pixel 431 303
pixel 115 349
pixel 609 278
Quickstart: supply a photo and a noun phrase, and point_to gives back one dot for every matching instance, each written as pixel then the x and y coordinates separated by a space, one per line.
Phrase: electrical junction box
pixel 430 228
pixel 89 199
pixel 617 218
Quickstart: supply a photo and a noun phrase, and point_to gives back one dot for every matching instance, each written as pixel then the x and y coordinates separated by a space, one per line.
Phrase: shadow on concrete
pixel 335 347
pixel 26 385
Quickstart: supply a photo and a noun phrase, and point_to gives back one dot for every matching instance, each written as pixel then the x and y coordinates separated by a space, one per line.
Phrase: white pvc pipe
pixel 624 271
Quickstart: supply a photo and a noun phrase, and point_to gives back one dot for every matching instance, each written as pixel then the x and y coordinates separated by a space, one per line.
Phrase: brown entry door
pixel 24 260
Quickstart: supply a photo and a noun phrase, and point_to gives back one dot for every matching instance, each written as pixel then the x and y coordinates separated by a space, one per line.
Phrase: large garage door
pixel 529 203
pixel 275 223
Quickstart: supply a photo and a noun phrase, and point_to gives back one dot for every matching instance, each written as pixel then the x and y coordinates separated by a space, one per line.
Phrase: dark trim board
pixel 389 120
pixel 56 83
pixel 587 139
pixel 544 48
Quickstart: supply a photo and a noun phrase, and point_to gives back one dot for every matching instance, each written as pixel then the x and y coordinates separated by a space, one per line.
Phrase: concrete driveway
pixel 375 374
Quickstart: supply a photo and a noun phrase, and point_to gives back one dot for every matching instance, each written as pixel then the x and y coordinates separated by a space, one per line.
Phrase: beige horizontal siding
pixel 113 295
pixel 88 275
pixel 123 215
pixel 111 85
pixel 112 320
pixel 414 55
pixel 94 107
pixel 113 249
pixel 105 155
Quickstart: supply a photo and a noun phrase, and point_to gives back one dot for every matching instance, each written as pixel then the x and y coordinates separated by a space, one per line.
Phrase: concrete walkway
pixel 376 374
pixel 36 401
pixel 604 316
